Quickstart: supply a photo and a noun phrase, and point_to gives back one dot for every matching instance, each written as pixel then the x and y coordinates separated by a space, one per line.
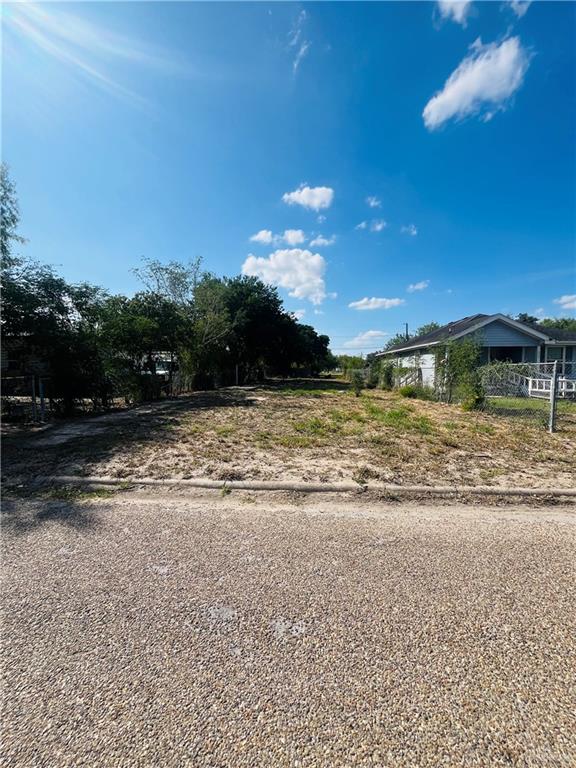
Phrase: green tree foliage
pixel 403 338
pixel 524 317
pixel 349 362
pixel 457 366
pixel 561 323
pixel 9 218
pixel 357 381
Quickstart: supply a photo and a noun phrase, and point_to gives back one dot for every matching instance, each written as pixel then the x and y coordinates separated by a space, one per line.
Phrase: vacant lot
pixel 307 430
pixel 240 631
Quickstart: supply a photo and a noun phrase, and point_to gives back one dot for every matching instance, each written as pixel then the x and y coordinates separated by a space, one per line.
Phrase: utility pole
pixel 407 336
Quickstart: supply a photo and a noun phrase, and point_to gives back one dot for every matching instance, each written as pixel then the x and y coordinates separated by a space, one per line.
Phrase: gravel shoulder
pixel 144 630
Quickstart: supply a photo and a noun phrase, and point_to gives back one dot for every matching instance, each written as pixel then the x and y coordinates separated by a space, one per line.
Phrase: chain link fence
pixel 541 393
pixel 39 399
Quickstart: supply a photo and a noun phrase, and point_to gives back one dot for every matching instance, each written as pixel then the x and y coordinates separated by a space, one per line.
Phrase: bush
pixel 458 368
pixel 357 381
pixel 473 402
pixel 373 375
pixel 387 376
pixel 417 391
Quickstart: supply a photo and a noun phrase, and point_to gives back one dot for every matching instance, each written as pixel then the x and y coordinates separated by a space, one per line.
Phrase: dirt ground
pixel 248 630
pixel 310 430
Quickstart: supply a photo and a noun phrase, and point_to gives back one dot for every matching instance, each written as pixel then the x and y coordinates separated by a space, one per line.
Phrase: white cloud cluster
pixel 314 198
pixel 264 236
pixel 290 237
pixel 482 83
pixel 421 286
pixel 299 313
pixel 567 301
pixel 457 10
pixel 300 271
pixel 320 240
pixel 296 40
pixel 519 6
pixel 365 339
pixel 293 236
pixel 409 229
pixel 374 303
pixel 373 202
pixel 377 225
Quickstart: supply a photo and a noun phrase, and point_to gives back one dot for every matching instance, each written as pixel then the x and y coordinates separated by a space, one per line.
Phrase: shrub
pixel 357 381
pixel 417 391
pixel 387 376
pixel 458 369
pixel 373 376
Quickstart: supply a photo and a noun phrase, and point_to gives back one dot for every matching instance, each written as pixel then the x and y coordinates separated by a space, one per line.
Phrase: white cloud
pixel 377 225
pixel 567 301
pixel 421 286
pixel 296 40
pixel 457 10
pixel 290 237
pixel 321 240
pixel 366 339
pixel 263 236
pixel 318 312
pixel 483 83
pixel 375 303
pixel 314 198
pixel 300 271
pixel 362 225
pixel 299 313
pixel 302 51
pixel 409 229
pixel 519 6
pixel 293 236
pixel 373 202
pixel 321 219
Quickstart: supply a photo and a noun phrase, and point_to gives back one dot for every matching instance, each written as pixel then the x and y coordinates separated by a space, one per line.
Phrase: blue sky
pixel 382 163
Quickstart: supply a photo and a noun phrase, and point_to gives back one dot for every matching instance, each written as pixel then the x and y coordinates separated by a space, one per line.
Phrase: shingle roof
pixel 558 334
pixel 457 327
pixel 441 334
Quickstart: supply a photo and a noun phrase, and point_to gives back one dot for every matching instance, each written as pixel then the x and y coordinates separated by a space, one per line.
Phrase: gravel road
pixel 247 631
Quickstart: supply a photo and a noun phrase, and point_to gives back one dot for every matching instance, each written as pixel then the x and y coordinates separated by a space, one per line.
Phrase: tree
pixel 562 323
pixel 9 218
pixel 396 340
pixel 524 317
pixel 174 281
pixel 427 328
pixel 457 366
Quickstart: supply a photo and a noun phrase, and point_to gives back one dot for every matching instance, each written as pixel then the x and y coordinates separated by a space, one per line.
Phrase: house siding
pixel 498 334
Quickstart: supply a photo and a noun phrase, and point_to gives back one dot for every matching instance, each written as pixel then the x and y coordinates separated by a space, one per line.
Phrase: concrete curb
pixel 271 485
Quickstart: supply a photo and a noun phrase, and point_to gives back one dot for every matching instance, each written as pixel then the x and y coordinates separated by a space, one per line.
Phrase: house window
pixel 554 353
pixel 506 354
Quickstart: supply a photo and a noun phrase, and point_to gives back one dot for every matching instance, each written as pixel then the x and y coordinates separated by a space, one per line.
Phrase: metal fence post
pixel 34 406
pixel 553 389
pixel 42 401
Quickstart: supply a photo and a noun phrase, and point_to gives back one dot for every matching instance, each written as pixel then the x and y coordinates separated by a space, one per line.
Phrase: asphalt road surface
pixel 253 631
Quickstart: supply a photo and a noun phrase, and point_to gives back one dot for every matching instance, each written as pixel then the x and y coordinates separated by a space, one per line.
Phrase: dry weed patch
pixel 316 434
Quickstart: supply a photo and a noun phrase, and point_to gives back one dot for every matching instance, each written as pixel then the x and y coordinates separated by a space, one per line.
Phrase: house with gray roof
pixel 500 338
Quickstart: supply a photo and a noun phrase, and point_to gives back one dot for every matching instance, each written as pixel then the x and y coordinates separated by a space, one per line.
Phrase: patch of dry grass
pixel 316 433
